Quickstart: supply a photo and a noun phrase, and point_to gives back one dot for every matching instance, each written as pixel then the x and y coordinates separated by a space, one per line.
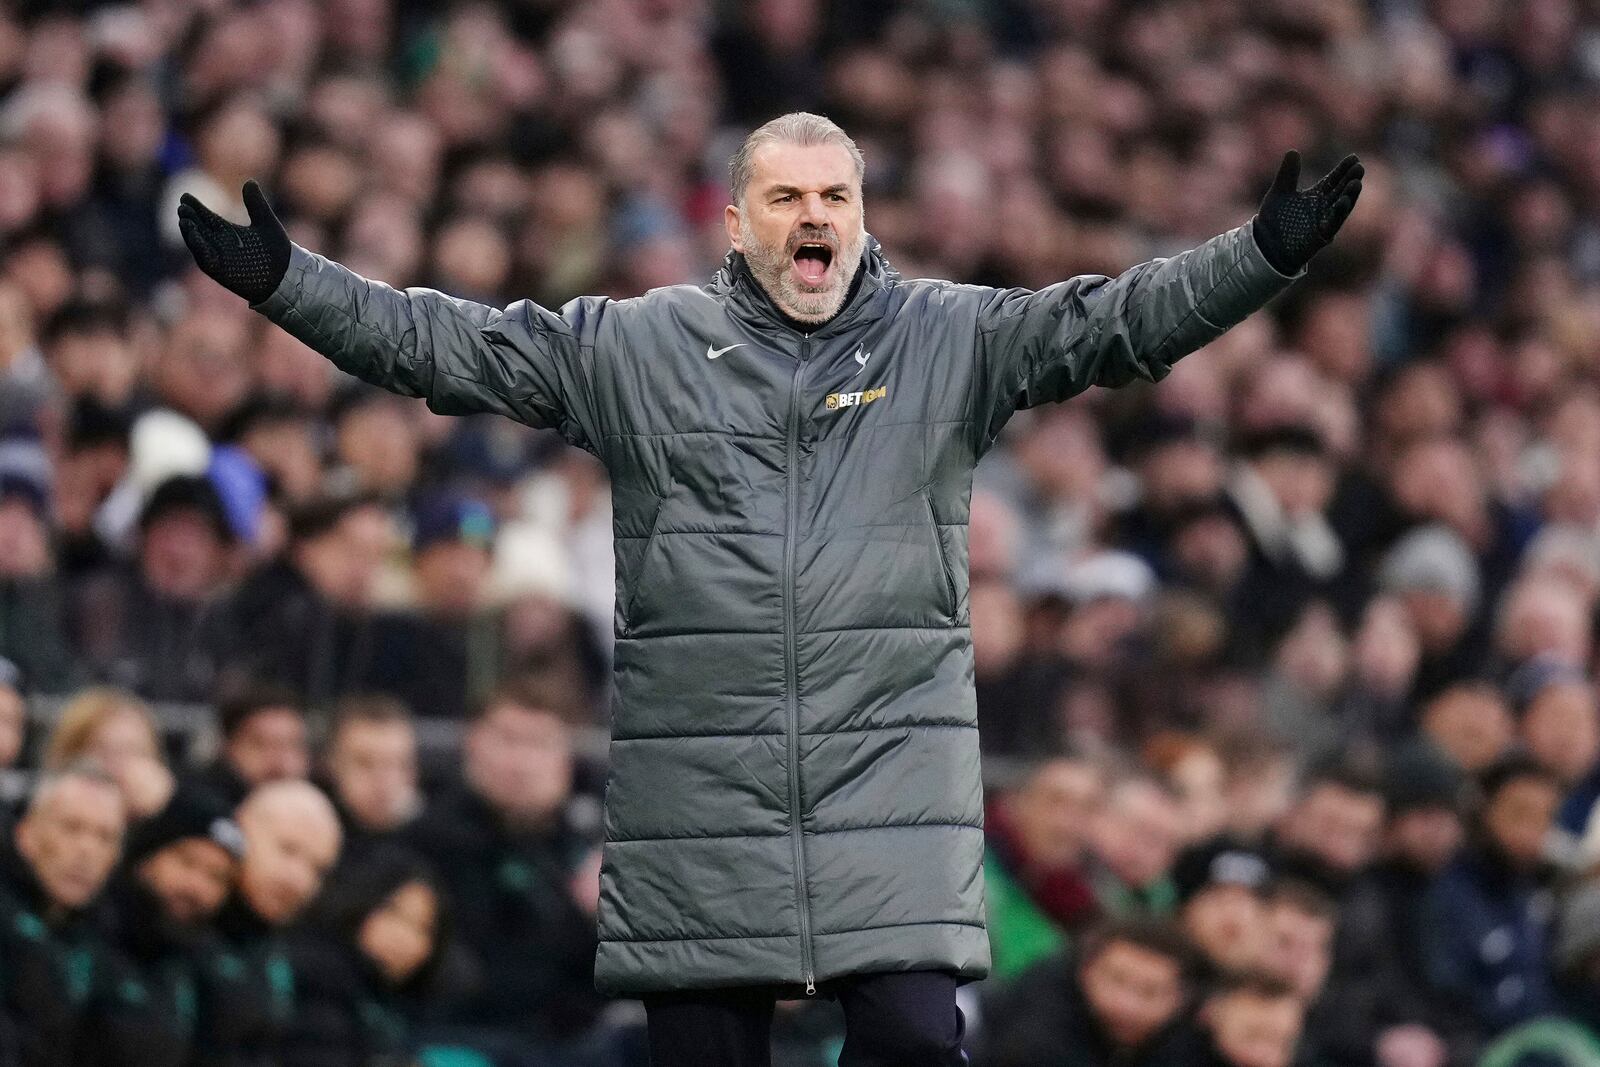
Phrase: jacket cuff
pixel 1254 250
pixel 289 285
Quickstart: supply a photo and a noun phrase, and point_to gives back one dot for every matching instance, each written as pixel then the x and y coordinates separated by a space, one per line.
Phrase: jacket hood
pixel 737 286
pixel 361 888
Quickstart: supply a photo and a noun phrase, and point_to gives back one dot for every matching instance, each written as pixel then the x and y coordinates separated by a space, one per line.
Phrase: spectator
pixel 177 870
pixel 1485 940
pixel 302 621
pixel 32 613
pixel 1221 886
pixel 264 739
pixel 62 851
pixel 1330 834
pixel 1380 997
pixel 1253 1020
pixel 369 965
pixel 372 769
pixel 1134 839
pixel 142 626
pixel 1471 724
pixel 1301 921
pixel 247 991
pixel 1034 869
pixel 13 735
pixel 519 875
pixel 116 731
pixel 433 655
pixel 1119 1000
pixel 1557 720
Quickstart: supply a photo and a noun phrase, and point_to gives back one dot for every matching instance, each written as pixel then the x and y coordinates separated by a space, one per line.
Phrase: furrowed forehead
pixel 805 167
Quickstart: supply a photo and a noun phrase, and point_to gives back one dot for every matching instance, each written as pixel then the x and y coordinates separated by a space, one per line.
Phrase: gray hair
pixel 797 127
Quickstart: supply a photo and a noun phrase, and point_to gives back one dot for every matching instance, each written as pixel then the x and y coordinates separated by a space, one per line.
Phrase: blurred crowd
pixel 1285 665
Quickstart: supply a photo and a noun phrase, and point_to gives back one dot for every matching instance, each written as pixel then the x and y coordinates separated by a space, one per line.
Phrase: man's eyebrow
pixel 777 190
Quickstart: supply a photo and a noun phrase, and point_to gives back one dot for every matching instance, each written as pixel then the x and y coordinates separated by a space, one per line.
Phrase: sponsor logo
pixel 713 353
pixel 835 401
pixel 861 358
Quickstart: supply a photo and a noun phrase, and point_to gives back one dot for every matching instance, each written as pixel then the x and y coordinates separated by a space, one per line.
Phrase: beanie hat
pixel 189 813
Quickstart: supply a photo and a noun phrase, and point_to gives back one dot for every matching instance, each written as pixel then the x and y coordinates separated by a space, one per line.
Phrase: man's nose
pixel 813 211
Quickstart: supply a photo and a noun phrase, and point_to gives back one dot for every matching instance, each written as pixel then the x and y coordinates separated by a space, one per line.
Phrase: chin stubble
pixel 770 265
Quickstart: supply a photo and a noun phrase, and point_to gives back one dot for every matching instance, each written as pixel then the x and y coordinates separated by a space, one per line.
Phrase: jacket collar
pixel 735 285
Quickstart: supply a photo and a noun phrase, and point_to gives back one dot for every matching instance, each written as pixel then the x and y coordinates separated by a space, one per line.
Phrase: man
pixel 432 655
pixel 372 769
pixel 141 627
pixel 178 869
pixel 1033 868
pixel 1485 923
pixel 32 624
pixel 1331 832
pixel 246 1000
pixel 1222 907
pixel 1120 1002
pixel 791 451
pixel 302 620
pixel 1253 1020
pixel 1134 840
pixel 264 739
pixel 1378 1001
pixel 61 853
pixel 511 850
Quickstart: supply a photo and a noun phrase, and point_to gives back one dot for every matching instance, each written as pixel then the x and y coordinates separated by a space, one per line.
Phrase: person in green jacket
pixel 794 800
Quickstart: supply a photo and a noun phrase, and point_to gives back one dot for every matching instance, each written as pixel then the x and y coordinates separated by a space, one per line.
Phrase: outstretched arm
pixel 1055 342
pixel 525 362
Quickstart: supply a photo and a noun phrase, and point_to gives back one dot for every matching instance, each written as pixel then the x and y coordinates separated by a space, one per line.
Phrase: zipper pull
pixel 811 987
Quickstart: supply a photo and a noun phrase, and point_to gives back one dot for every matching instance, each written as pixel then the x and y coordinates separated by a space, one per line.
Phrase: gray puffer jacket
pixel 794 791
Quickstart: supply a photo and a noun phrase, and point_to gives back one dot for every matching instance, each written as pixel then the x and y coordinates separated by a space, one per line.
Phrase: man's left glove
pixel 248 260
pixel 1293 225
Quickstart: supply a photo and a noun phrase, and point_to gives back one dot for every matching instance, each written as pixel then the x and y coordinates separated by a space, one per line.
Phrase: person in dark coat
pixel 371 769
pixel 302 621
pixel 1252 1019
pixel 510 848
pixel 143 626
pixel 264 739
pixel 1378 991
pixel 370 965
pixel 1485 922
pixel 52 873
pixel 434 655
pixel 177 871
pixel 247 989
pixel 1119 1001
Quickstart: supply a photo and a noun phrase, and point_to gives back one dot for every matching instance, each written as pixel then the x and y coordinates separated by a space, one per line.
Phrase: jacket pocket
pixel 944 559
pixel 635 581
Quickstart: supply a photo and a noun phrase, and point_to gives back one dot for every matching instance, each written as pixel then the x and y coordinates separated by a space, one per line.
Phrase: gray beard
pixel 770 265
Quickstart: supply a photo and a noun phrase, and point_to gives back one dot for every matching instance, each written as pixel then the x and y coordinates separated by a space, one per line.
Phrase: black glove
pixel 248 260
pixel 1292 226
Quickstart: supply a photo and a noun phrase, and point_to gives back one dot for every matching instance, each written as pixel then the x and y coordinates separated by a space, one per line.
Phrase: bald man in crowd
pixel 292 840
pixel 51 874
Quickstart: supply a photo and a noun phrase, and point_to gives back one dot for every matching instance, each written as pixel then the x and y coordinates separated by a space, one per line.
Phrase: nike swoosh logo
pixel 713 353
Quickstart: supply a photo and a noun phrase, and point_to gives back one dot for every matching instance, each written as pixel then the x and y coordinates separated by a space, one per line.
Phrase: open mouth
pixel 811 262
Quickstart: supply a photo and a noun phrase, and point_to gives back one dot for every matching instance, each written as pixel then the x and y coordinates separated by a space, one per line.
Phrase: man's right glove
pixel 248 260
pixel 1292 226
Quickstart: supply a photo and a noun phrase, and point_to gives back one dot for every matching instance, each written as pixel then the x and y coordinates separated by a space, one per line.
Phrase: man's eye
pixel 837 198
pixel 785 198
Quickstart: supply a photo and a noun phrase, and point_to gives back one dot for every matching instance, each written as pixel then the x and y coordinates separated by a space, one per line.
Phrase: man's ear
pixel 730 219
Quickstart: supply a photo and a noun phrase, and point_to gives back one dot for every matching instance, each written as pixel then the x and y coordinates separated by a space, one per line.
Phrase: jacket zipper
pixel 792 667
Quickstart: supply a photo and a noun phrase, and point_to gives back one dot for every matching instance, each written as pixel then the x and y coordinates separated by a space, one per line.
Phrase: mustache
pixel 813 235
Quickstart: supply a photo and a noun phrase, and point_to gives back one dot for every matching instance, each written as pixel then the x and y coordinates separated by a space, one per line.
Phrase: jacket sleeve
pixel 1053 343
pixel 524 362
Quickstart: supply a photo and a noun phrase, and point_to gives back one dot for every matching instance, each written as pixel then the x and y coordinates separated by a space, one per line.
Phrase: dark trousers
pixel 902 1019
